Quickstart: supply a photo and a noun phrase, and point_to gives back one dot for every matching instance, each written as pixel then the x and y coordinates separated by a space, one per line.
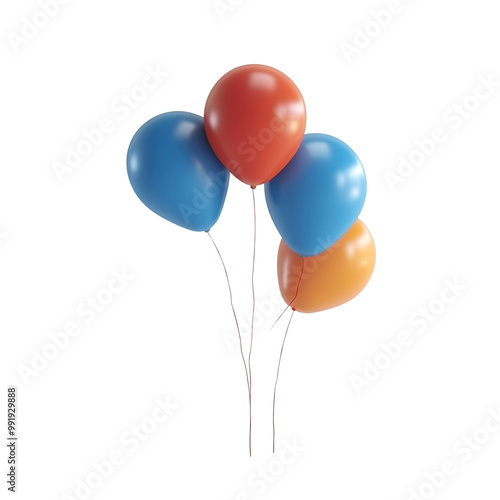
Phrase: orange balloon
pixel 331 278
pixel 255 119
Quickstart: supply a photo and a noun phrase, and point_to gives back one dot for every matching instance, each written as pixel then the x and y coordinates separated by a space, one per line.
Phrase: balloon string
pixel 293 300
pixel 239 331
pixel 253 311
pixel 277 376
pixel 283 345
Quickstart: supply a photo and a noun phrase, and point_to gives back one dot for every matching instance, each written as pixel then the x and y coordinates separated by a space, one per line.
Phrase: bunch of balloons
pixel 179 165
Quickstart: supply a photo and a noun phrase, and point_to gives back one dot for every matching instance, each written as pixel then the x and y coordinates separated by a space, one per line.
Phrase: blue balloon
pixel 318 196
pixel 175 173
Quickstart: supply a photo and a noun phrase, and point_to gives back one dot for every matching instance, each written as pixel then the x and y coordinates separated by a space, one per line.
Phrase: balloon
pixel 255 118
pixel 175 173
pixel 317 197
pixel 331 278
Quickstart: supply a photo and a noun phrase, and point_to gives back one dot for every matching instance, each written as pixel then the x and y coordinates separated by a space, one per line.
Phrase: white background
pixel 167 334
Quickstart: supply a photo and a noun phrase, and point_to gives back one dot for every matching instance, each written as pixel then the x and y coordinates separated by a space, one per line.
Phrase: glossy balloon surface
pixel 175 173
pixel 255 119
pixel 330 279
pixel 318 196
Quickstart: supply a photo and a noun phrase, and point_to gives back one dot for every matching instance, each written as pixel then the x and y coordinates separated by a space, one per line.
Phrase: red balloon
pixel 255 119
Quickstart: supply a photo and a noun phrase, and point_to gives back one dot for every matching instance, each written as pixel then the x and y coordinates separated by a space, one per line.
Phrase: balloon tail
pixel 277 377
pixel 239 334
